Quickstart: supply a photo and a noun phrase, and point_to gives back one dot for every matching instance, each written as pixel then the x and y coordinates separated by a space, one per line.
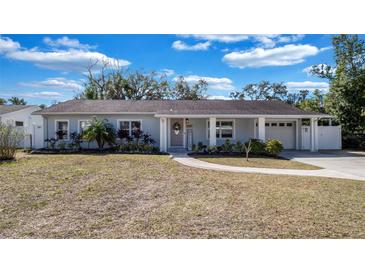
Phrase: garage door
pixel 283 131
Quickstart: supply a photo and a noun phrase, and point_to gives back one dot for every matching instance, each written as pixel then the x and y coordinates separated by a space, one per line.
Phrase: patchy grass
pixel 265 162
pixel 136 196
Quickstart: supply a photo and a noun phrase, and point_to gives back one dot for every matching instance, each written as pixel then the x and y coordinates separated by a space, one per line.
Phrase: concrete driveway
pixel 351 163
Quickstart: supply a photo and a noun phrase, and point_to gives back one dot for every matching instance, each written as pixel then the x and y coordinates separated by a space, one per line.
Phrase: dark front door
pixel 177 132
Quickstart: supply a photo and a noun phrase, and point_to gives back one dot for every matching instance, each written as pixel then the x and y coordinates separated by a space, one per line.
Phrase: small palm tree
pixel 100 131
pixel 17 101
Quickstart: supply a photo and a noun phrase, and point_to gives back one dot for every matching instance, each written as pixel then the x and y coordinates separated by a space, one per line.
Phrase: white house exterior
pixel 21 117
pixel 178 124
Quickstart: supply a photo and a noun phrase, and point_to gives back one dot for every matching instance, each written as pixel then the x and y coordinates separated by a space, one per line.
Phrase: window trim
pixel 68 128
pixel 18 122
pixel 130 124
pixel 220 133
pixel 78 124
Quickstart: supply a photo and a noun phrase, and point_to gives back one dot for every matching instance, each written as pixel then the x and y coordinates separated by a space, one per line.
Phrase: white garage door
pixel 283 131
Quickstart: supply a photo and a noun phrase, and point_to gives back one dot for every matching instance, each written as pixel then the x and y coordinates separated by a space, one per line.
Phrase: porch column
pixel 261 126
pixel 314 134
pixel 163 134
pixel 212 131
pixel 297 134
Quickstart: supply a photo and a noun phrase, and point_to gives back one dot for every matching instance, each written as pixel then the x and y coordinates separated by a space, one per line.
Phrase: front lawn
pixel 265 162
pixel 137 196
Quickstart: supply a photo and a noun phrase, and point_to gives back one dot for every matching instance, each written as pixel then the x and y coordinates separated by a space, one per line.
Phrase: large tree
pixel 17 101
pixel 2 101
pixel 263 90
pixel 182 90
pixel 346 97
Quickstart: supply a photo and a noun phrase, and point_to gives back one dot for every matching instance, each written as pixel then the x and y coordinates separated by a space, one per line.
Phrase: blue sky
pixel 48 68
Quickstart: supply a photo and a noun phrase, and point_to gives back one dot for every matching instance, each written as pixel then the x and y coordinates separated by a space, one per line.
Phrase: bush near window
pixel 257 146
pixel 273 147
pixel 10 138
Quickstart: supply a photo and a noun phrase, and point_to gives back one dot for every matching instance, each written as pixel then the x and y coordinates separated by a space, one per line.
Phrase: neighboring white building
pixel 21 117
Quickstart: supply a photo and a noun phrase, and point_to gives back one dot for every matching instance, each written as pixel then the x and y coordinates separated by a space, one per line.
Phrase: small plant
pixel 51 143
pixel 247 147
pixel 227 147
pixel 123 134
pixel 147 139
pixel 212 149
pixel 193 147
pixel 238 147
pixel 200 146
pixel 273 147
pixel 137 135
pixel 76 140
pixel 258 147
pixel 62 146
pixel 60 134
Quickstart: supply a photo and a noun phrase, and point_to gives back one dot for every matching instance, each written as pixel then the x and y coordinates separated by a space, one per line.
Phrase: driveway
pixel 351 163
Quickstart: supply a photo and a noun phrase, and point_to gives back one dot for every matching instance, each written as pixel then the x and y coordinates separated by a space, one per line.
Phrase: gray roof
pixel 11 108
pixel 176 107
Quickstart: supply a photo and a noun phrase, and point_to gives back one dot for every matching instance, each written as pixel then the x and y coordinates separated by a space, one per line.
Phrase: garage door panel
pixel 285 134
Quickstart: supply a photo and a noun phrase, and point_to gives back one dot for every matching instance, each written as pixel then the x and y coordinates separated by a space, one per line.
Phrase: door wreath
pixel 177 128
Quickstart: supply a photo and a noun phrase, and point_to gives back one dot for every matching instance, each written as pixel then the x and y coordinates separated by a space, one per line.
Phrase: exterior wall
pixel 33 125
pixel 243 130
pixel 150 124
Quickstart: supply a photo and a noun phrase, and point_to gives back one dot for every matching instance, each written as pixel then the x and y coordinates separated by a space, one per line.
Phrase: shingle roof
pixel 176 107
pixel 7 109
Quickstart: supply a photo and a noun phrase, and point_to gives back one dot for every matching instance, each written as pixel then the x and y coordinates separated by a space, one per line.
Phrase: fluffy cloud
pixel 55 83
pixel 224 38
pixel 76 60
pixel 280 56
pixel 180 45
pixel 293 86
pixel 214 83
pixel 270 40
pixel 7 45
pixel 43 94
pixel 66 42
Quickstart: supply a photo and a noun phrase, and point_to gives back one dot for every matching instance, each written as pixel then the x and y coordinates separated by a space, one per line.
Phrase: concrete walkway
pixel 184 159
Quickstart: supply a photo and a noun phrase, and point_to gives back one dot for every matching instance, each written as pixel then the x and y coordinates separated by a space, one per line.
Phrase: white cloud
pixel 214 83
pixel 270 40
pixel 280 56
pixel 66 42
pixel 218 97
pixel 42 94
pixel 224 38
pixel 8 45
pixel 180 45
pixel 167 72
pixel 55 83
pixel 293 86
pixel 65 60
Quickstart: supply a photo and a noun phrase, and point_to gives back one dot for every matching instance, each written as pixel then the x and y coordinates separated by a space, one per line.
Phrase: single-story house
pixel 178 124
pixel 21 117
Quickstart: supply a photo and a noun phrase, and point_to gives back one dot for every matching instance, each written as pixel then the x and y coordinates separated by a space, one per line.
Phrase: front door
pixel 177 132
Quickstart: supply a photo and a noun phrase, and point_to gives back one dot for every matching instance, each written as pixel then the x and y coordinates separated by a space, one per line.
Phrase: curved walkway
pixel 184 159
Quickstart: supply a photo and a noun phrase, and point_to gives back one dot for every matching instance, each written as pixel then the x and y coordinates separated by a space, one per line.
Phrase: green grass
pixel 264 162
pixel 137 196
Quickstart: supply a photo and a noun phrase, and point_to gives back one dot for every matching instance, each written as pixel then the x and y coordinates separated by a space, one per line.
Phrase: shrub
pixel 201 147
pixel 100 131
pixel 10 138
pixel 212 149
pixel 257 146
pixel 239 147
pixel 273 147
pixel 227 146
pixel 123 134
pixel 51 143
pixel 193 147
pixel 62 145
pixel 76 141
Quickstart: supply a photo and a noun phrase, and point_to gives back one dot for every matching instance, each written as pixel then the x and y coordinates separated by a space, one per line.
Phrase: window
pixel 289 124
pixel 19 123
pixel 274 124
pixel 267 124
pixel 224 129
pixel 281 124
pixel 130 126
pixel 83 124
pixel 62 130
